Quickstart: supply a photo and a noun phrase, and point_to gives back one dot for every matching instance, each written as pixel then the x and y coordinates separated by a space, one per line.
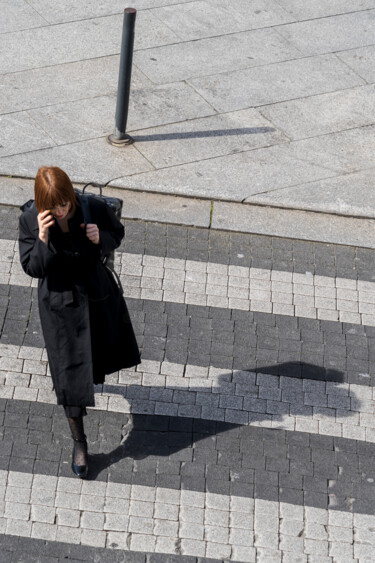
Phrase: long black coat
pixel 84 318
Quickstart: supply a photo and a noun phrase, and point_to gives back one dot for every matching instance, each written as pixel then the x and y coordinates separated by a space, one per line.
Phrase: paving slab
pixel 326 113
pixel 16 191
pixel 94 157
pixel 163 208
pixel 216 17
pixel 19 133
pixel 336 33
pixel 85 39
pixel 76 121
pixel 95 117
pixel 63 83
pixel 294 224
pixel 197 139
pixel 320 9
pixel 215 55
pixel 273 83
pixel 19 15
pixel 349 194
pixel 70 10
pixel 362 61
pixel 347 151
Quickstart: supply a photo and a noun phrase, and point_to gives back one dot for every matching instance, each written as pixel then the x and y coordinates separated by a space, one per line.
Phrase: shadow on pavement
pixel 303 370
pixel 279 464
pixel 203 134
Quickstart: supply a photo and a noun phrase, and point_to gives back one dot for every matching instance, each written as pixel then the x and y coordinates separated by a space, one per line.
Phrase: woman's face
pixel 61 211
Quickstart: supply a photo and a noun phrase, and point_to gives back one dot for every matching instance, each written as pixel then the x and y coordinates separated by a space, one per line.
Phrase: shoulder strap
pixel 116 276
pixel 85 209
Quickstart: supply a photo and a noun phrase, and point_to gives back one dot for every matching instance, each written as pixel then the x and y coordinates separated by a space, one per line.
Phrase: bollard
pixel 120 138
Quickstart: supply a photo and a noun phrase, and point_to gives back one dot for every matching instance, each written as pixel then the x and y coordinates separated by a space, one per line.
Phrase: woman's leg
pixel 75 420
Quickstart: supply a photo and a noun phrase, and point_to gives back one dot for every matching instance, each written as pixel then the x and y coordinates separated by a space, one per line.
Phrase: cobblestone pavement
pixel 246 434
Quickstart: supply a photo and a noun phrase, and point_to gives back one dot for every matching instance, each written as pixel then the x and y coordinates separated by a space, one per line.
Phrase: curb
pixel 246 217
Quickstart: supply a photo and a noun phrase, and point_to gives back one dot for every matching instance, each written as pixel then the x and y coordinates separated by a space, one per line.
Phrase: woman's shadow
pixel 148 435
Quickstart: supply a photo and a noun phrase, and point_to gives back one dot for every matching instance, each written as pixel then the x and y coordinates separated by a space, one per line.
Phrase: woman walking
pixel 84 318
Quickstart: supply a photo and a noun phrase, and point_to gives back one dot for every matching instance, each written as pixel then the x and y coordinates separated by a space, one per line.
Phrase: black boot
pixel 79 455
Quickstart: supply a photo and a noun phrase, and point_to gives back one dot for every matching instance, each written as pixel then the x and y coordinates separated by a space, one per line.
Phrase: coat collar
pixel 31 214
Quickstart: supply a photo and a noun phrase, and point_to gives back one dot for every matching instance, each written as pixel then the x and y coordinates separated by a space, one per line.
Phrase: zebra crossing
pixel 246 434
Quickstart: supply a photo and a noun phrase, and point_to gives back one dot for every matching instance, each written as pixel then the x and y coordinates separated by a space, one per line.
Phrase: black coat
pixel 84 318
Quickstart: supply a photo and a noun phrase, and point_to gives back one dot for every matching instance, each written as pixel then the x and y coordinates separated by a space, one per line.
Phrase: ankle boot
pixel 80 470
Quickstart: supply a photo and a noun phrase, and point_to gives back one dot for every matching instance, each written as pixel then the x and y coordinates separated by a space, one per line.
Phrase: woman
pixel 84 318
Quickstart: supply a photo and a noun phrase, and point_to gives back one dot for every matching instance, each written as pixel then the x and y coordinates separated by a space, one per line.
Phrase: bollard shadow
pixel 203 134
pixel 158 436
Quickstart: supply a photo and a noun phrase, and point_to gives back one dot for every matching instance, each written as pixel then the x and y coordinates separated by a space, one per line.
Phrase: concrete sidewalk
pixel 265 102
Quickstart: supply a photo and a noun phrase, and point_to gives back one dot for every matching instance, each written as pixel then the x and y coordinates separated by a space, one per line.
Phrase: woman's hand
pixel 45 221
pixel 92 232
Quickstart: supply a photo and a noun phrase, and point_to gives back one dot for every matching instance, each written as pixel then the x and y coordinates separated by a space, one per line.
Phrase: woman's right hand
pixel 45 221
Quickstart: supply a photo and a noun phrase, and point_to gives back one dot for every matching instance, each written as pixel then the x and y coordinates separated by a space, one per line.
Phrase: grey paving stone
pixel 231 216
pixel 349 33
pixel 156 207
pixel 217 14
pixel 321 9
pixel 33 137
pixel 360 60
pixel 232 93
pixel 18 16
pixel 88 8
pixel 107 36
pixel 160 72
pixel 315 195
pixel 28 88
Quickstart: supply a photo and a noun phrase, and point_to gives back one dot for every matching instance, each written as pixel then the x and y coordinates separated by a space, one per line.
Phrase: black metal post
pixel 120 138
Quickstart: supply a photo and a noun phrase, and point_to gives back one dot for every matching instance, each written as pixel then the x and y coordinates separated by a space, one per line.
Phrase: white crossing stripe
pixel 162 520
pixel 239 397
pixel 234 287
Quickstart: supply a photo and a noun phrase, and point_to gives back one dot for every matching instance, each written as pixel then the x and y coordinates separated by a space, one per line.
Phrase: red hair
pixel 52 188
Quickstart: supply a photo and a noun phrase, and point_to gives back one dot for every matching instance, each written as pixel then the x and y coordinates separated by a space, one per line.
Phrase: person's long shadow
pixel 203 134
pixel 155 435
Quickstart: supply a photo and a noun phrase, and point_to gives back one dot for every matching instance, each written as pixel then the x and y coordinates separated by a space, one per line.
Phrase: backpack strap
pixel 116 276
pixel 28 205
pixel 85 209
